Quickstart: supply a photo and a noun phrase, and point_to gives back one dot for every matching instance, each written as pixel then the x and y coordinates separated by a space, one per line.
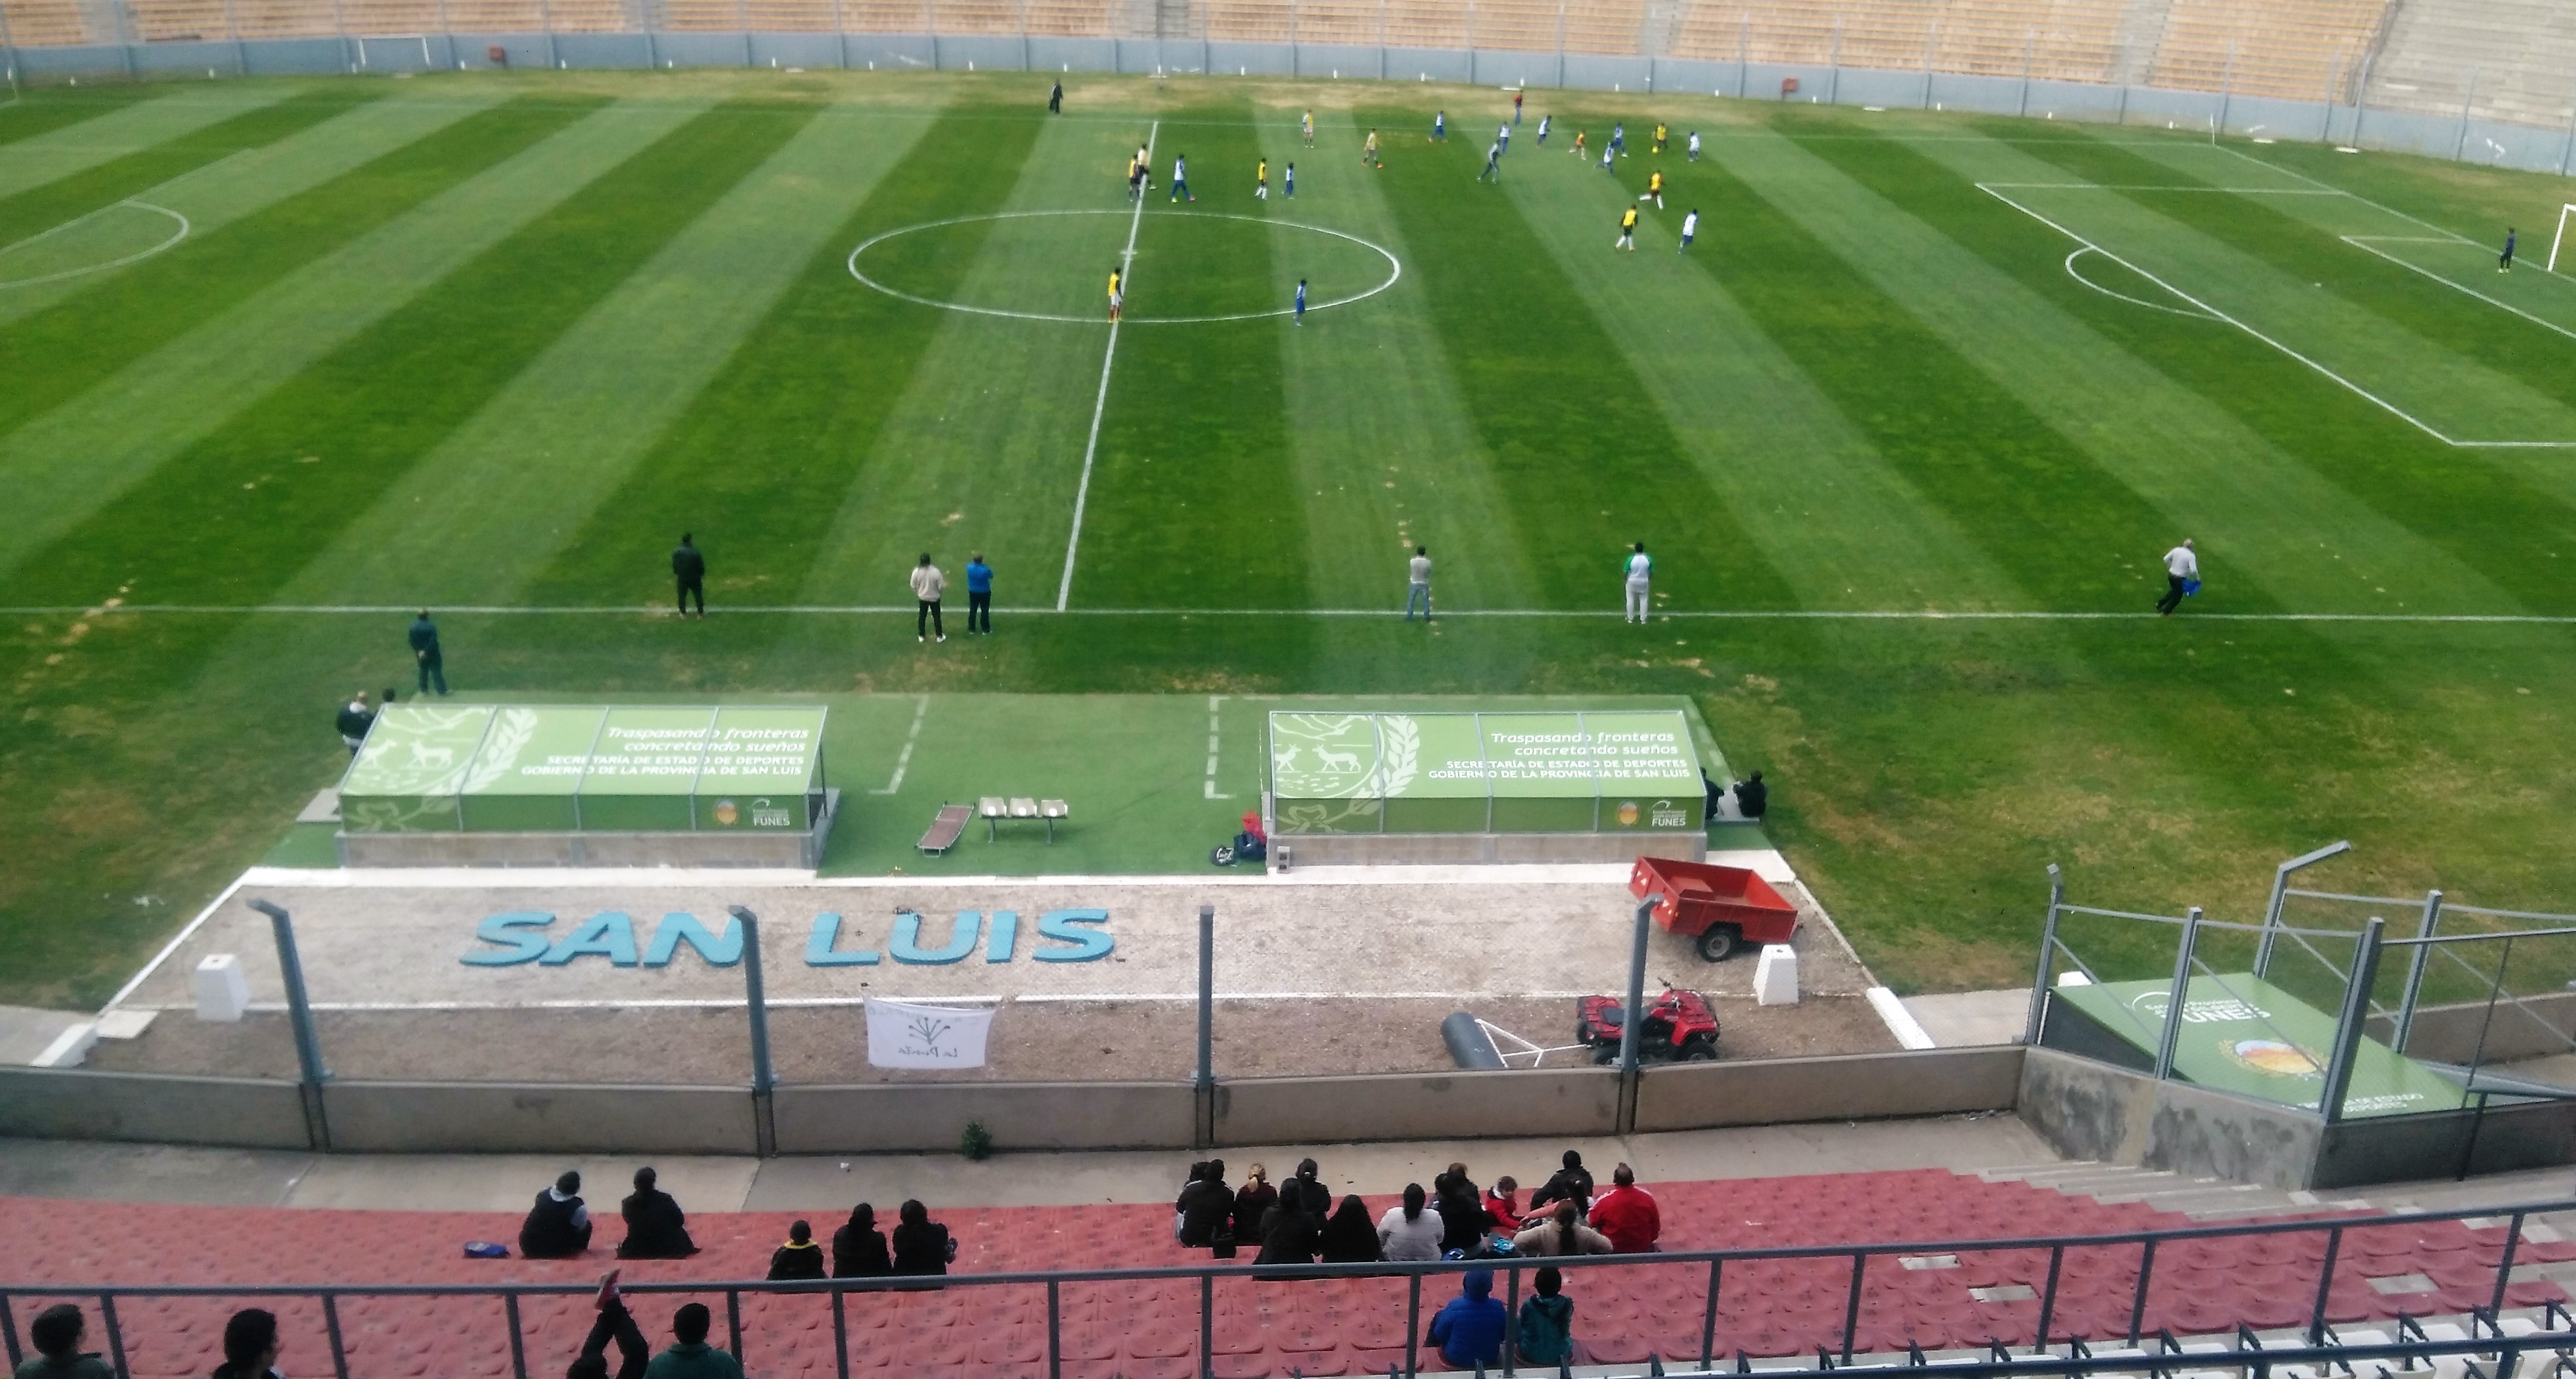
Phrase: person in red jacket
pixel 1627 1214
pixel 1500 1205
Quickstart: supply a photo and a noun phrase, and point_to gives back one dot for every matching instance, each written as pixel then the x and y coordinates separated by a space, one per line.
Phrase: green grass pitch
pixel 489 343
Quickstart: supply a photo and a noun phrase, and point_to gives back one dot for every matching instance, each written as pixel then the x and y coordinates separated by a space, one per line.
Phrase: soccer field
pixel 1906 430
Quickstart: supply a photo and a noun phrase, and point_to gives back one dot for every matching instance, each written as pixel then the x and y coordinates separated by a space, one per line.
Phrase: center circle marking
pixel 1394 269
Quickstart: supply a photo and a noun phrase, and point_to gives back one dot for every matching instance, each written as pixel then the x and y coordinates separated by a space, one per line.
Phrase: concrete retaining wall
pixel 499 1118
pixel 40 1103
pixel 1382 849
pixel 1309 1110
pixel 929 1117
pixel 2090 1110
pixel 1926 1082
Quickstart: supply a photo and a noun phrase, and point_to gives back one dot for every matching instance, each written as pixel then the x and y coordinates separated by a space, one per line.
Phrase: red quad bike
pixel 1679 1027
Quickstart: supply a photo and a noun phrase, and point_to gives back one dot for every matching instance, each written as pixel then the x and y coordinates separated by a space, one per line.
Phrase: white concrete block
pixel 2073 979
pixel 222 992
pixel 1775 976
pixel 70 1048
pixel 125 1024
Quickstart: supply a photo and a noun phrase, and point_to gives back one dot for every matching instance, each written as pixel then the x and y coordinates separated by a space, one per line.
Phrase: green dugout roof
pixel 562 769
pixel 1573 771
pixel 2242 1034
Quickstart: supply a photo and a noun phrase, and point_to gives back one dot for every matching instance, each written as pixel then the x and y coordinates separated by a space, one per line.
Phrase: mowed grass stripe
pixel 2449 498
pixel 140 125
pixel 2433 311
pixel 1586 462
pixel 2031 499
pixel 46 112
pixel 43 208
pixel 817 377
pixel 1843 527
pixel 53 355
pixel 1194 501
pixel 65 465
pixel 311 456
pixel 536 462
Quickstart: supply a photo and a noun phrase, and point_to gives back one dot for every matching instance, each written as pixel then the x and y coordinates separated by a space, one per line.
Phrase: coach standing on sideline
pixel 927 585
pixel 979 595
pixel 689 567
pixel 424 649
pixel 1055 100
pixel 2182 566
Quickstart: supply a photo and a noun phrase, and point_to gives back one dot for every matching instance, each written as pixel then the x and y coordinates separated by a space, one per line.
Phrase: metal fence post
pixel 2325 1286
pixel 2348 1023
pixel 2361 97
pixel 299 1016
pixel 9 1335
pixel 1207 1325
pixel 1743 51
pixel 1627 1118
pixel 2325 108
pixel 2226 94
pixel 1851 1307
pixel 2467 98
pixel 2138 1304
pixel 1834 65
pixel 2047 957
pixel 2422 953
pixel 2174 1004
pixel 518 1338
pixel 115 1335
pixel 2567 145
pixel 2048 1299
pixel 2281 895
pixel 1203 1120
pixel 2504 1265
pixel 764 1079
pixel 1055 1330
pixel 1412 1325
pixel 1708 1319
pixel 546 14
pixel 2029 45
pixel 1931 40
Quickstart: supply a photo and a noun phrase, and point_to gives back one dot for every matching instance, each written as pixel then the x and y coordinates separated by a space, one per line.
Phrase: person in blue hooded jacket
pixel 1469 1328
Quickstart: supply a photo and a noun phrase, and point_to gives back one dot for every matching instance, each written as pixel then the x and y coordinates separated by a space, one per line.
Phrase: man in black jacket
pixel 1752 796
pixel 1206 1206
pixel 1572 1183
pixel 690 569
pixel 656 1228
pixel 354 720
pixel 558 1226
pixel 424 649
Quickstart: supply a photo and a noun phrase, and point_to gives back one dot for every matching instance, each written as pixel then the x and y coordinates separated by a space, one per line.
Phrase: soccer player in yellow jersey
pixel 1261 182
pixel 1368 151
pixel 1660 132
pixel 1627 231
pixel 1578 143
pixel 1118 289
pixel 1654 190
pixel 1307 127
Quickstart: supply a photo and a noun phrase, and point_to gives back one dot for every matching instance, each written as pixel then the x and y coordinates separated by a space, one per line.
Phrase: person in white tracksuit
pixel 1640 568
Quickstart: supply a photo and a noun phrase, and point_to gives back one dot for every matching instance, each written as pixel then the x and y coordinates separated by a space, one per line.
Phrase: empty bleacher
pixel 2069 40
pixel 2299 49
pixel 2521 53
pixel 1624 1314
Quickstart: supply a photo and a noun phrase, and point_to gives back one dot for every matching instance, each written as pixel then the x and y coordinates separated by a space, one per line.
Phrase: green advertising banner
pixel 1556 772
pixel 2242 1034
pixel 562 768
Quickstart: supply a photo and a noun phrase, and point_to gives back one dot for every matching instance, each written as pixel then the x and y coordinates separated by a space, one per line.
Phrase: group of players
pixel 1140 180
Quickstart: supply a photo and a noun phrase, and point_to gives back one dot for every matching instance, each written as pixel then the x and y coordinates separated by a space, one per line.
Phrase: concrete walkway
pixel 506 1182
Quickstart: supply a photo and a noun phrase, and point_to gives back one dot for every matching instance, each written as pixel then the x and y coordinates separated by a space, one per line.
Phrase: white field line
pixel 2361 242
pixel 2123 296
pixel 1100 404
pixel 1394 270
pixel 1214 701
pixel 1726 614
pixel 2124 187
pixel 2215 314
pixel 138 257
pixel 763 878
pixel 903 760
pixel 185 933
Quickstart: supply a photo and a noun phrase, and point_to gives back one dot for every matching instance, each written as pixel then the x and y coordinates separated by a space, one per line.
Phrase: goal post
pixel 2561 237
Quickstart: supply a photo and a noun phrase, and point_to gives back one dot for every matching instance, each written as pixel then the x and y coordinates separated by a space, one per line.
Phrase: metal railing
pixel 2554 1331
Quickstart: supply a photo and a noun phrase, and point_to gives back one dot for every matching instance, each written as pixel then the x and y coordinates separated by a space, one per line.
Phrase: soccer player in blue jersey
pixel 1440 127
pixel 1619 138
pixel 1288 181
pixel 1690 228
pixel 2504 261
pixel 1694 146
pixel 1542 129
pixel 1493 163
pixel 1301 301
pixel 1180 178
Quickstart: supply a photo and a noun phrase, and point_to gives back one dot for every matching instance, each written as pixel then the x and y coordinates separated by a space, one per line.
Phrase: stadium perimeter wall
pixel 2496 143
pixel 896 1117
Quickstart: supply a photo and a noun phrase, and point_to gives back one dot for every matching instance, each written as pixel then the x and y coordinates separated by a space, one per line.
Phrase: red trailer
pixel 1721 907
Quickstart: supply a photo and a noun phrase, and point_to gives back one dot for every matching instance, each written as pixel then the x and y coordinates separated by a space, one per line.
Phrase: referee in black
pixel 689 568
